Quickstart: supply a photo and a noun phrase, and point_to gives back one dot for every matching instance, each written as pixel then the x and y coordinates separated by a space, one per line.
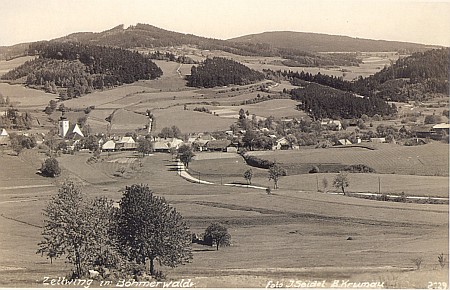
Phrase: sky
pixel 426 22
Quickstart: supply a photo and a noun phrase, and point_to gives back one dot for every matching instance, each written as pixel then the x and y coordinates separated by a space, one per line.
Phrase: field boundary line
pixel 19 221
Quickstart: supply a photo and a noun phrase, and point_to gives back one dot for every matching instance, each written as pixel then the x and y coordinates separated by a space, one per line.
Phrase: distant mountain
pixel 316 42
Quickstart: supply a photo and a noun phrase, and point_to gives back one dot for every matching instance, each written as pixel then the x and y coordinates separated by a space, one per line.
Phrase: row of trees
pixel 218 71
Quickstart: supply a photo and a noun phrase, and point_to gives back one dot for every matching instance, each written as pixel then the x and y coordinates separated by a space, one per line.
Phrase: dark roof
pixel 218 144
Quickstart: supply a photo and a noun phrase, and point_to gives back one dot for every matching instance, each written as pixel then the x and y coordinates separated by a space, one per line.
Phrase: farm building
pixel 441 128
pixel 378 140
pixel 165 144
pixel 4 137
pixel 218 145
pixel 331 124
pixel 126 143
pixel 109 146
pixel 282 144
pixel 343 142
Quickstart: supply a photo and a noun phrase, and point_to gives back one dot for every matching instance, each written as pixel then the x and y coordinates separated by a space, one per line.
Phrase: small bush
pixel 418 262
pixel 359 168
pixel 51 167
pixel 314 169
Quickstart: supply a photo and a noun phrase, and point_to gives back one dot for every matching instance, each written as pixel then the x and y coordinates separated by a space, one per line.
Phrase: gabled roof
pixel 4 133
pixel 218 144
pixel 441 126
pixel 127 140
pixel 159 145
pixel 109 145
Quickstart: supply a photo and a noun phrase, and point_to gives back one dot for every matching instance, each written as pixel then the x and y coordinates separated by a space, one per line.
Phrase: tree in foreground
pixel 80 230
pixel 185 154
pixel 248 175
pixel 275 173
pixel 50 167
pixel 149 229
pixel 218 234
pixel 341 181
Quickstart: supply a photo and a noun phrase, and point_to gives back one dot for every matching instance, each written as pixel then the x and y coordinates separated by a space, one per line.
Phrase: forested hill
pixel 317 42
pixel 220 71
pixel 80 68
pixel 411 78
pixel 416 77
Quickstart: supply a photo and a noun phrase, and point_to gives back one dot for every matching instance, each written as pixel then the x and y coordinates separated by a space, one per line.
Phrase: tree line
pixel 82 68
pixel 409 78
pixel 218 71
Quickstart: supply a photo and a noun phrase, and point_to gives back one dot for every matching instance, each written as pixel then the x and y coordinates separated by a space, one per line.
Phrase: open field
pixel 294 233
pixel 297 233
pixel 430 159
pixel 7 65
pixel 231 170
pixel 23 97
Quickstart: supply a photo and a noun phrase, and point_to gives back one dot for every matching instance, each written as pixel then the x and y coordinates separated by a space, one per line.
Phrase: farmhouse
pixel 126 143
pixel 218 145
pixel 165 144
pixel 331 124
pixel 441 128
pixel 282 144
pixel 378 140
pixel 109 145
pixel 343 142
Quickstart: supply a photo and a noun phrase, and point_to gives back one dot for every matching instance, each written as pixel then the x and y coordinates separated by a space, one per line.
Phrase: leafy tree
pixel 275 173
pixel 149 229
pixel 218 233
pixel 248 175
pixel 185 154
pixel 144 146
pixel 341 181
pixel 79 230
pixel 51 167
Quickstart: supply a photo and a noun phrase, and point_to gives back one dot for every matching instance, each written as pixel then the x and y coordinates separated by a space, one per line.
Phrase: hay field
pixel 189 121
pixel 430 159
pixel 285 235
pixel 231 170
pixel 7 65
pixel 23 97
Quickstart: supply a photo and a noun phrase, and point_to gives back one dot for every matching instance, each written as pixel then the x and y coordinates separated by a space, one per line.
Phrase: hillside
pixel 80 69
pixel 316 42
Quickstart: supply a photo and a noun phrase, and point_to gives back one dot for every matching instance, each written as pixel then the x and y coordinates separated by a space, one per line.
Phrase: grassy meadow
pixel 298 232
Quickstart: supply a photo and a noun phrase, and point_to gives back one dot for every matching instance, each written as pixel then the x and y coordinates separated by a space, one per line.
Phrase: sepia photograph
pixel 224 144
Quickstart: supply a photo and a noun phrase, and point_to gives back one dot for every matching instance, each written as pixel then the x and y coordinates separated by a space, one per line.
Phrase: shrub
pixel 359 168
pixel 314 169
pixel 257 162
pixel 51 167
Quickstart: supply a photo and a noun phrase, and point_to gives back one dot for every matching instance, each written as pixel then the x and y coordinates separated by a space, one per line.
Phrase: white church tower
pixel 63 127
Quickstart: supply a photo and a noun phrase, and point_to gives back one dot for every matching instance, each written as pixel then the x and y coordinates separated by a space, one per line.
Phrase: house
pixel 4 137
pixel 335 125
pixel 378 140
pixel 218 145
pixel 109 145
pixel 343 142
pixel 161 146
pixel 165 144
pixel 441 128
pixel 282 144
pixel 127 143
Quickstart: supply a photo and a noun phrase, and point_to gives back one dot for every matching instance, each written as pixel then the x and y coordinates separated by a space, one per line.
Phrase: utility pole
pixel 379 185
pixel 317 183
